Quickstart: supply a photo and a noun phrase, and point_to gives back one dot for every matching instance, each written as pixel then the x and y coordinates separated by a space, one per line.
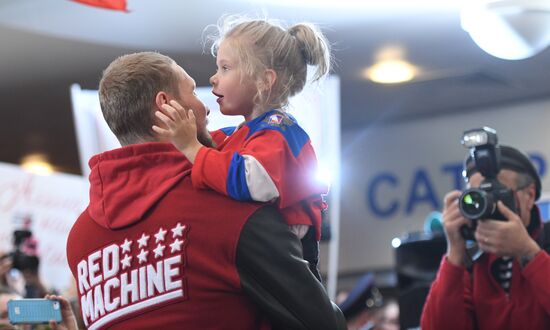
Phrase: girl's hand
pixel 180 128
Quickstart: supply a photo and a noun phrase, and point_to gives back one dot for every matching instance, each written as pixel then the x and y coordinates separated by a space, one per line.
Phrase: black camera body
pixel 19 258
pixel 481 202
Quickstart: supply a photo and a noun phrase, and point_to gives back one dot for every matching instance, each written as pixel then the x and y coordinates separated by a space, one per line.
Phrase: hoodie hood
pixel 126 182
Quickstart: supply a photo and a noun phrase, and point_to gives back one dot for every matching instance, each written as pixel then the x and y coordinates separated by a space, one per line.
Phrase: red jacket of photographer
pixel 462 300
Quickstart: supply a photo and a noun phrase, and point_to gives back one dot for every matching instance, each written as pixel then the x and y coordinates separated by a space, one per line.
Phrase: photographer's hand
pixel 506 238
pixel 452 221
pixel 67 314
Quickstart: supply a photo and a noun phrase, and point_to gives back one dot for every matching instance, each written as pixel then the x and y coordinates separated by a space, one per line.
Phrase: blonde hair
pixel 263 44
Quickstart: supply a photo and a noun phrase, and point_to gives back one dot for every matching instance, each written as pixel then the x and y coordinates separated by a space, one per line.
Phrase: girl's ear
pixel 270 78
pixel 160 99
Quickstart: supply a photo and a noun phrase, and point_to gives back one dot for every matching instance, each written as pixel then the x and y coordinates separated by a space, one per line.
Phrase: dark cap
pixel 511 159
pixel 363 296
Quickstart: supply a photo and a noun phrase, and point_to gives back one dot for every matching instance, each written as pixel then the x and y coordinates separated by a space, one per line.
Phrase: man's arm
pixel 275 276
pixel 449 303
pixel 536 272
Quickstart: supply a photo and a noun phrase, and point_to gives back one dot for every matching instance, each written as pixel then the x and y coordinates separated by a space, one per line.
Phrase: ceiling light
pixel 37 164
pixel 508 29
pixel 391 71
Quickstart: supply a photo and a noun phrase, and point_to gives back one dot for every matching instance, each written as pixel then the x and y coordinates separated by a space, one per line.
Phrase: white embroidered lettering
pixel 171 269
pixel 142 283
pixel 118 279
pixel 155 279
pixel 93 268
pixel 82 270
pixel 129 287
pixel 111 305
pixel 111 261
pixel 99 309
pixel 87 306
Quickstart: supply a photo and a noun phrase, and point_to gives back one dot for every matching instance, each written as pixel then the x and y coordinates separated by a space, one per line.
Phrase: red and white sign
pixel 50 204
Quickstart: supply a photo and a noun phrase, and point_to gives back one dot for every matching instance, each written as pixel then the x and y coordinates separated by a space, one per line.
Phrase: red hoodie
pixel 462 300
pixel 151 252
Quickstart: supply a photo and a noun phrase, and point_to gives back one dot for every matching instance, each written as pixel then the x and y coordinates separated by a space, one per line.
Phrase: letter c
pixel 377 209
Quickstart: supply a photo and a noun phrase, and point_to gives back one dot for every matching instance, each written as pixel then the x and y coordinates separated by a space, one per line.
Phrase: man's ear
pixel 160 99
pixel 531 192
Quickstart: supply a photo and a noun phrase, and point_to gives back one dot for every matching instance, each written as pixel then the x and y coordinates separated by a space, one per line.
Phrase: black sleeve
pixel 276 277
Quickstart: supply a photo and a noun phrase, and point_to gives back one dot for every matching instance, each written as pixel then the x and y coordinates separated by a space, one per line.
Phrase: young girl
pixel 269 157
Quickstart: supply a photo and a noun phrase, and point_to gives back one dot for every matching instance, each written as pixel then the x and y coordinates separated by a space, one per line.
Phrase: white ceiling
pixel 176 25
pixel 49 41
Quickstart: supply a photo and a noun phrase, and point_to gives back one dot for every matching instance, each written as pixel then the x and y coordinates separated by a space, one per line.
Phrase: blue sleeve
pixel 237 187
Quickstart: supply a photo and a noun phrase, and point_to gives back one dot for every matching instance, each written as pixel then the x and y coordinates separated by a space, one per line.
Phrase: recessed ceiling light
pixel 391 71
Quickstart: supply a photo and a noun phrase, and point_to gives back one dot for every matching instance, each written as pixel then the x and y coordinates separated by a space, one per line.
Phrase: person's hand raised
pixel 180 128
pixel 505 238
pixel 453 220
pixel 67 314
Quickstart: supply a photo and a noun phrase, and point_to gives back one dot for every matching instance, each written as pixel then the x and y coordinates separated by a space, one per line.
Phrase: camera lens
pixel 473 203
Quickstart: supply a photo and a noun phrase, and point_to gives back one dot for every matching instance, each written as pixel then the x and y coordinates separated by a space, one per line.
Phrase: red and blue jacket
pixel 269 159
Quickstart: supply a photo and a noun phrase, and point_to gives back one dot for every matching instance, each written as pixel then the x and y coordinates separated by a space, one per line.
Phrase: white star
pixel 159 251
pixel 176 246
pixel 160 235
pixel 126 261
pixel 177 230
pixel 142 241
pixel 142 256
pixel 126 245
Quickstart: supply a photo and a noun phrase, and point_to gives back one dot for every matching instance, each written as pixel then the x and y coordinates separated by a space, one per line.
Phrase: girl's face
pixel 235 94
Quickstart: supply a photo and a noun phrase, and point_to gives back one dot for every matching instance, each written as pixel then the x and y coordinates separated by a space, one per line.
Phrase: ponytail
pixel 314 47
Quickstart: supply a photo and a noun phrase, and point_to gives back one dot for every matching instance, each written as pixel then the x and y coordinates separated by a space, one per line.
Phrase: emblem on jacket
pixel 279 120
pixel 132 275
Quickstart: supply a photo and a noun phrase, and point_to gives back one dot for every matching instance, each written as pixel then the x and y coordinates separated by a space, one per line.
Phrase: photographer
pixel 24 258
pixel 508 286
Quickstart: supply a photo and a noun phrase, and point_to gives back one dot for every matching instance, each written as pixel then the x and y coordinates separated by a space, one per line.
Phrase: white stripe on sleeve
pixel 260 185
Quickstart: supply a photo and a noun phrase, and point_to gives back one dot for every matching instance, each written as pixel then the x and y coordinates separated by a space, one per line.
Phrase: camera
pixel 22 257
pixel 481 202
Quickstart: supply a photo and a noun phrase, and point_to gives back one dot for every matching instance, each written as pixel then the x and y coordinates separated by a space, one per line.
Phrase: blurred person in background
pixel 361 305
pixel 20 268
pixel 387 317
pixel 6 294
